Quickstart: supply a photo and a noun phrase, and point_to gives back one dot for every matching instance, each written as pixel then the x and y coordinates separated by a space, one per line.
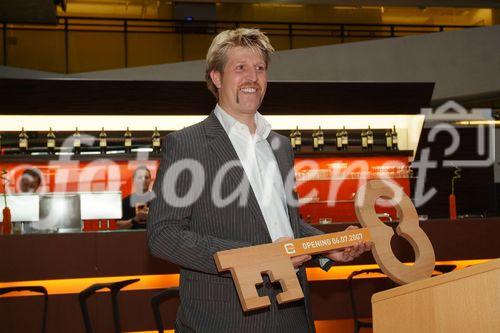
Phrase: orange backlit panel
pixel 328 185
pixel 74 286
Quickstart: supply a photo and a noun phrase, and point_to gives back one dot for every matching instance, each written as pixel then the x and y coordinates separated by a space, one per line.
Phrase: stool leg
pixel 82 298
pixel 116 310
pixel 155 304
pixel 45 310
pixel 353 302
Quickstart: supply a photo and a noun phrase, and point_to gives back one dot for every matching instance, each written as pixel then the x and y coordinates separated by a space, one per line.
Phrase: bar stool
pixel 157 300
pixel 114 288
pixel 358 324
pixel 36 289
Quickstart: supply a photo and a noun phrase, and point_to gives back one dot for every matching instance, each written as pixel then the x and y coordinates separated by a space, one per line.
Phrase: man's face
pixel 243 83
pixel 29 184
pixel 142 180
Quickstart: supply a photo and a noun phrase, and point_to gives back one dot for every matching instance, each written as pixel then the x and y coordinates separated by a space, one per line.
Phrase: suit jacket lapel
pixel 221 145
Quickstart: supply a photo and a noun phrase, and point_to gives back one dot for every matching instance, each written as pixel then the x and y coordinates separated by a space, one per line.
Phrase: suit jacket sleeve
pixel 169 234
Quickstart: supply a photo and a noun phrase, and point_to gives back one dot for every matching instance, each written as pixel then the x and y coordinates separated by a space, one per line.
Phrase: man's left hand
pixel 349 253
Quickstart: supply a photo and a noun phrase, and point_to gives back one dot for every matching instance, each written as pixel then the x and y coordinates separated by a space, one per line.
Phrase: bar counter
pixel 77 260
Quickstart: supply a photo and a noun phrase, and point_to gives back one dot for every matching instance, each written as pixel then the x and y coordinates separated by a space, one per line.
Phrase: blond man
pixel 222 185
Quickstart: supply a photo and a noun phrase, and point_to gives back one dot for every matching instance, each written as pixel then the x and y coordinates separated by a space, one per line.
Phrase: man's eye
pixel 239 67
pixel 261 68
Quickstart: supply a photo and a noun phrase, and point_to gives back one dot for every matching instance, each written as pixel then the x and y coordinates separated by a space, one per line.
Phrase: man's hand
pixel 298 260
pixel 349 253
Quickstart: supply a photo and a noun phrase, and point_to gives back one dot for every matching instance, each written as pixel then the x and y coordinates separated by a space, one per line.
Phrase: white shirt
pixel 261 169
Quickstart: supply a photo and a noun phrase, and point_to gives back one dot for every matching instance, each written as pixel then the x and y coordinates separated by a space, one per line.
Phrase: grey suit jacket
pixel 189 235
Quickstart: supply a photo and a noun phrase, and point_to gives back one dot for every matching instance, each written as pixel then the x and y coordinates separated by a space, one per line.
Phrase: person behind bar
pixel 135 207
pixel 192 218
pixel 30 181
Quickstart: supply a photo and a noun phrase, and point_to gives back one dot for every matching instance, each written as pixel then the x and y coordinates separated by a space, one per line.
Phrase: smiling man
pixel 221 185
pixel 241 85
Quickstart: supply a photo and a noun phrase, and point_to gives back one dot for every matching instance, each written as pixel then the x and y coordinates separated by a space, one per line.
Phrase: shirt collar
pixel 228 121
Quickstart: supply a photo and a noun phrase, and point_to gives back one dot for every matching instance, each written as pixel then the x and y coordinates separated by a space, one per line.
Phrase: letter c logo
pixel 289 248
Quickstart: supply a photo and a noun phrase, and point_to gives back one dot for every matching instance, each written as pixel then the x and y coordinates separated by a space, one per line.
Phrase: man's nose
pixel 252 74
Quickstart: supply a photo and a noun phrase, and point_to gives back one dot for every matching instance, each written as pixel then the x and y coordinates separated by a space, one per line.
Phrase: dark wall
pixel 20 96
pixel 474 191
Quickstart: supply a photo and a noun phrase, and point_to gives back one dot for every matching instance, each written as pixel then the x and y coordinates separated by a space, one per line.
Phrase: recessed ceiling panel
pixel 28 11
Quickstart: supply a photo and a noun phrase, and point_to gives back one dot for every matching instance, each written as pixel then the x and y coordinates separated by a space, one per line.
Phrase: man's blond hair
pixel 244 37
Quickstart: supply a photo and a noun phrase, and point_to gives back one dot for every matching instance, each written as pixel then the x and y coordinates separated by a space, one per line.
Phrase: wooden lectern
pixel 467 300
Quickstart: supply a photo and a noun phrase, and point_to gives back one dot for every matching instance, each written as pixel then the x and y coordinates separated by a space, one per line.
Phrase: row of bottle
pixel 77 142
pixel 342 139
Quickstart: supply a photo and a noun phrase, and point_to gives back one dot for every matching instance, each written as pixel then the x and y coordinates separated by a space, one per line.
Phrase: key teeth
pixel 289 296
pixel 256 303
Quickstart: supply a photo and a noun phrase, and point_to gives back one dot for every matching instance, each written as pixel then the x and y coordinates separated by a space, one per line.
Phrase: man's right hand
pixel 298 260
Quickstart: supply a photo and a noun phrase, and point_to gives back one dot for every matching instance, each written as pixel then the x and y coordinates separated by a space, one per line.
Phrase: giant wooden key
pixel 248 264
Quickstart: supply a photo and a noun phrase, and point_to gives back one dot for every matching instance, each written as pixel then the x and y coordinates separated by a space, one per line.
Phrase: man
pixel 221 185
pixel 135 207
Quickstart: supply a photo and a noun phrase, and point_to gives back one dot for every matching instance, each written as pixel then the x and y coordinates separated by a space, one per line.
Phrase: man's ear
pixel 216 78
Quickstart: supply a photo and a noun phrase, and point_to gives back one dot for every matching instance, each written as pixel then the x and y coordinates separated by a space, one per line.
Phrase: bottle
pixel 388 139
pixel 6 226
pixel 77 144
pixel 369 138
pixel 321 139
pixel 364 140
pixel 298 139
pixel 394 139
pixel 156 141
pixel 292 139
pixel 51 142
pixel 452 201
pixel 7 221
pixel 315 140
pixel 345 139
pixel 128 141
pixel 23 141
pixel 103 141
pixel 338 137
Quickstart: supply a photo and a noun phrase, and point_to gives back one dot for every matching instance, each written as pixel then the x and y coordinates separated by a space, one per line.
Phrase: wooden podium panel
pixel 467 300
